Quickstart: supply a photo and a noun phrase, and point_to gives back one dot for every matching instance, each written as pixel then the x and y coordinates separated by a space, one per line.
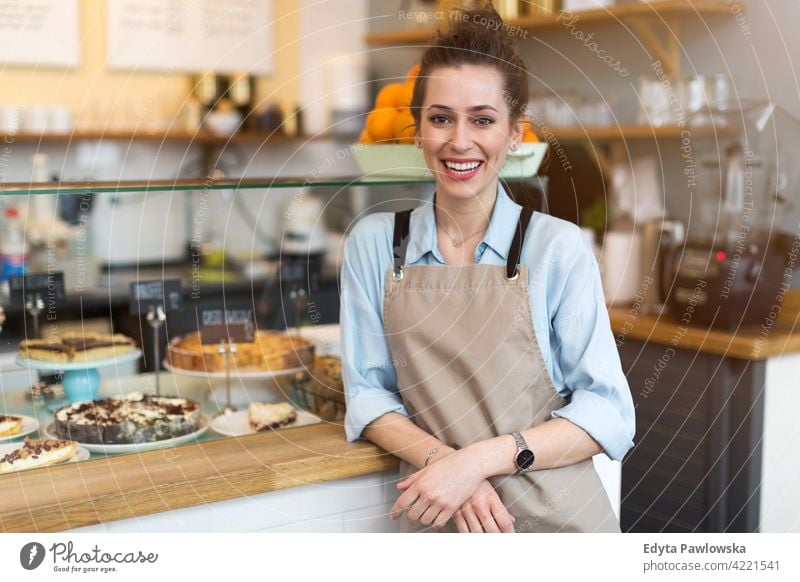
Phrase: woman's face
pixel 465 129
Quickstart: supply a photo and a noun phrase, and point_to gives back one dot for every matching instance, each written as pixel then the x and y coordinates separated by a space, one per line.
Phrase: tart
pixel 270 416
pixel 77 347
pixel 10 425
pixel 135 418
pixel 269 352
pixel 38 453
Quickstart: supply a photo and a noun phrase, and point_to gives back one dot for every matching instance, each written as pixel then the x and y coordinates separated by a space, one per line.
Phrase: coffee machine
pixel 731 270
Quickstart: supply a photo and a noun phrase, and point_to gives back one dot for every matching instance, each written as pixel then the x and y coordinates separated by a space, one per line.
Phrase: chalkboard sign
pixel 49 287
pixel 236 325
pixel 164 292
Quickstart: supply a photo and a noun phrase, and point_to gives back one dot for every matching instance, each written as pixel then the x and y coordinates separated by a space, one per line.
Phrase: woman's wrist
pixel 441 451
pixel 494 456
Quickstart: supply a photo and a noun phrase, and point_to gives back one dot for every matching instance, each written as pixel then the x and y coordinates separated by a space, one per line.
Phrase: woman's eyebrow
pixel 474 108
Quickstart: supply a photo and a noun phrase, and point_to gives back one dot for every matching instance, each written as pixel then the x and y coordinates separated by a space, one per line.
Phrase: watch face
pixel 525 459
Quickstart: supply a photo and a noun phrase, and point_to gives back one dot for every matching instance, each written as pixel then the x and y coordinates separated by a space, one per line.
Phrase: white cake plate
pixel 246 385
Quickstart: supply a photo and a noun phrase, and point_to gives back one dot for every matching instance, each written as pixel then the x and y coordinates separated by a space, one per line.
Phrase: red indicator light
pixel 721 256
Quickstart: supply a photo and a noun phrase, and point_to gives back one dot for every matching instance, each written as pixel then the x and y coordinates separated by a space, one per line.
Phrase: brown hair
pixel 477 37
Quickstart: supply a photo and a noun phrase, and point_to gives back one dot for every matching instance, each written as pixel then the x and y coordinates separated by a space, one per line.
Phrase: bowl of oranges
pixel 386 146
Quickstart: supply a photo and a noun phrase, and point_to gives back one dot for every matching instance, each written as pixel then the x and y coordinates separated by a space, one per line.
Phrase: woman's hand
pixel 434 493
pixel 484 512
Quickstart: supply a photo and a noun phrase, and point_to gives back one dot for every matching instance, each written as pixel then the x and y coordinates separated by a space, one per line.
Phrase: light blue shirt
pixel 566 298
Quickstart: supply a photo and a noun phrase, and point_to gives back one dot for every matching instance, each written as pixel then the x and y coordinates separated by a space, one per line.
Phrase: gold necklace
pixel 463 240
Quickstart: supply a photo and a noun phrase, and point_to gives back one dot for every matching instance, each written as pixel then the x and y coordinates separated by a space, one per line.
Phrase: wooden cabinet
pixel 696 463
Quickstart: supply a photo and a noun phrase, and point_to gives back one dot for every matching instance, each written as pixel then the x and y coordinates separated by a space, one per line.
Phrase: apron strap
pixel 516 246
pixel 402 222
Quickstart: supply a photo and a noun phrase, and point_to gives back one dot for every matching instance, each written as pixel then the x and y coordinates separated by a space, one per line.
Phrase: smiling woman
pixel 504 394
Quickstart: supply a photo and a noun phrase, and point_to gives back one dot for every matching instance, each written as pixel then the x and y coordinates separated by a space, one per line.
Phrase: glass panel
pixel 23 188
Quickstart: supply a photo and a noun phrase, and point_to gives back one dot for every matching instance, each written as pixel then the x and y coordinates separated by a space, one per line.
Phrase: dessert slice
pixel 46 350
pixel 270 416
pixel 97 346
pixel 38 453
pixel 10 425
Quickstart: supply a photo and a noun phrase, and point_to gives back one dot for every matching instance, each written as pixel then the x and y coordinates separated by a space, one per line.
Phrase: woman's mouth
pixel 461 169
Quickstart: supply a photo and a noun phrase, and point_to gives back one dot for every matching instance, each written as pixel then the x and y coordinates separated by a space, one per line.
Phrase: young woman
pixel 476 343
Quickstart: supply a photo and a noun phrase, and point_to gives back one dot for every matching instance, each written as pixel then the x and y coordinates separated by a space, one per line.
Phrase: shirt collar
pixel 498 236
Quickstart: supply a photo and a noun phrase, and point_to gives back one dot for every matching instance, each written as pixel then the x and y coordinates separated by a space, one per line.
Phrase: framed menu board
pixel 40 32
pixel 191 37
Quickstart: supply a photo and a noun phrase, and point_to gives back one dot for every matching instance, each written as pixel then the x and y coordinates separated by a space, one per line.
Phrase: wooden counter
pixel 113 488
pixel 747 343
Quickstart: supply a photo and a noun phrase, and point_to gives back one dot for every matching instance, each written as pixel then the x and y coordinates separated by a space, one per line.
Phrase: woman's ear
pixel 517 131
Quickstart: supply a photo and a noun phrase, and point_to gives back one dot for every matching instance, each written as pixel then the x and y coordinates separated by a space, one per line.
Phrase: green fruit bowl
pixel 406 161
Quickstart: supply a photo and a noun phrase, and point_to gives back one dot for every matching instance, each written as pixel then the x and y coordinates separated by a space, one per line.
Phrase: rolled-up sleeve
pixel 370 379
pixel 600 400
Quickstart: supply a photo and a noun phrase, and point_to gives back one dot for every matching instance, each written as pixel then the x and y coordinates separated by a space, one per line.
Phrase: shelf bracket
pixel 667 50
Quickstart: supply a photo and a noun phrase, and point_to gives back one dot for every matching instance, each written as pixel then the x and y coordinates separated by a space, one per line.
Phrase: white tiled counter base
pixel 355 505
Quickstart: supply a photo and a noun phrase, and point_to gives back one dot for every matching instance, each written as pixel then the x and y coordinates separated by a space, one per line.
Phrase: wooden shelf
pixel 662 10
pixel 624 132
pixel 201 137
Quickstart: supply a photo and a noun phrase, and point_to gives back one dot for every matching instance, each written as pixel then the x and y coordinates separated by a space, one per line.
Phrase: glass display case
pixel 55 286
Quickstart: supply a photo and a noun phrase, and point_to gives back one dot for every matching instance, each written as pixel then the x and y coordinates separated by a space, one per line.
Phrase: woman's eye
pixel 484 120
pixel 438 119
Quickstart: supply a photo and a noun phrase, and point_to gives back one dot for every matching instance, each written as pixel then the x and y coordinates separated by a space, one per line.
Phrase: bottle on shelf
pixel 13 246
pixel 241 91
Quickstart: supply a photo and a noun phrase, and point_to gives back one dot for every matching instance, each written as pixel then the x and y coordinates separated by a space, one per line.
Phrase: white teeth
pixel 462 167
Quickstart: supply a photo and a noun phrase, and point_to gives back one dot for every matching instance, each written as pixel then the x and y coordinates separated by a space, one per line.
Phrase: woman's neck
pixel 462 217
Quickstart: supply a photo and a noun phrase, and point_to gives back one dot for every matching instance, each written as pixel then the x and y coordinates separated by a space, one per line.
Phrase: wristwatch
pixel 524 458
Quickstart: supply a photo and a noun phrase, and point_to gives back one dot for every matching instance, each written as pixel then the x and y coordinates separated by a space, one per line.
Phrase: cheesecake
pixel 270 416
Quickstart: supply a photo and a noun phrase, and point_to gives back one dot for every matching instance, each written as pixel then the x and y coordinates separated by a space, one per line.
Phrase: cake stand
pixel 81 379
pixel 246 386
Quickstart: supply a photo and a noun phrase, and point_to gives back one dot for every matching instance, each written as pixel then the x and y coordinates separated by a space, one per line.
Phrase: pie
pixel 10 425
pixel 134 418
pixel 270 416
pixel 270 352
pixel 77 347
pixel 38 453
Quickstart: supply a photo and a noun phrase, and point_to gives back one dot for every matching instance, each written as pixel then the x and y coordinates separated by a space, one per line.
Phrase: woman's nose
pixel 460 137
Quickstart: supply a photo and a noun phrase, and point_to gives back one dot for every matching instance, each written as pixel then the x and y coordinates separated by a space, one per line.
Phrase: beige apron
pixel 472 370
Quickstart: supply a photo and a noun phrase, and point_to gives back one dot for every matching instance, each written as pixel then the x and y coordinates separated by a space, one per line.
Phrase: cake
pixel 270 416
pixel 327 388
pixel 269 352
pixel 77 347
pixel 135 418
pixel 10 425
pixel 38 453
pixel 45 350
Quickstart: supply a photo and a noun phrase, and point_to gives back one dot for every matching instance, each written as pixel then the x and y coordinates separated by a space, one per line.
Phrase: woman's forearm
pixel 398 435
pixel 556 443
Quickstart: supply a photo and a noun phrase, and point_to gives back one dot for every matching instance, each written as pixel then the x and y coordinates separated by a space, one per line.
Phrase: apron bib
pixel 473 370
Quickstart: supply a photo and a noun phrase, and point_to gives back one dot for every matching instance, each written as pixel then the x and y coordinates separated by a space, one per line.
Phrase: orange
pixel 412 73
pixel 528 135
pixel 380 124
pixel 404 96
pixel 404 126
pixel 365 137
pixel 390 96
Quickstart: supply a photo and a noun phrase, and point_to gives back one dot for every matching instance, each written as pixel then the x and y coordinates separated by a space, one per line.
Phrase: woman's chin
pixel 460 190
